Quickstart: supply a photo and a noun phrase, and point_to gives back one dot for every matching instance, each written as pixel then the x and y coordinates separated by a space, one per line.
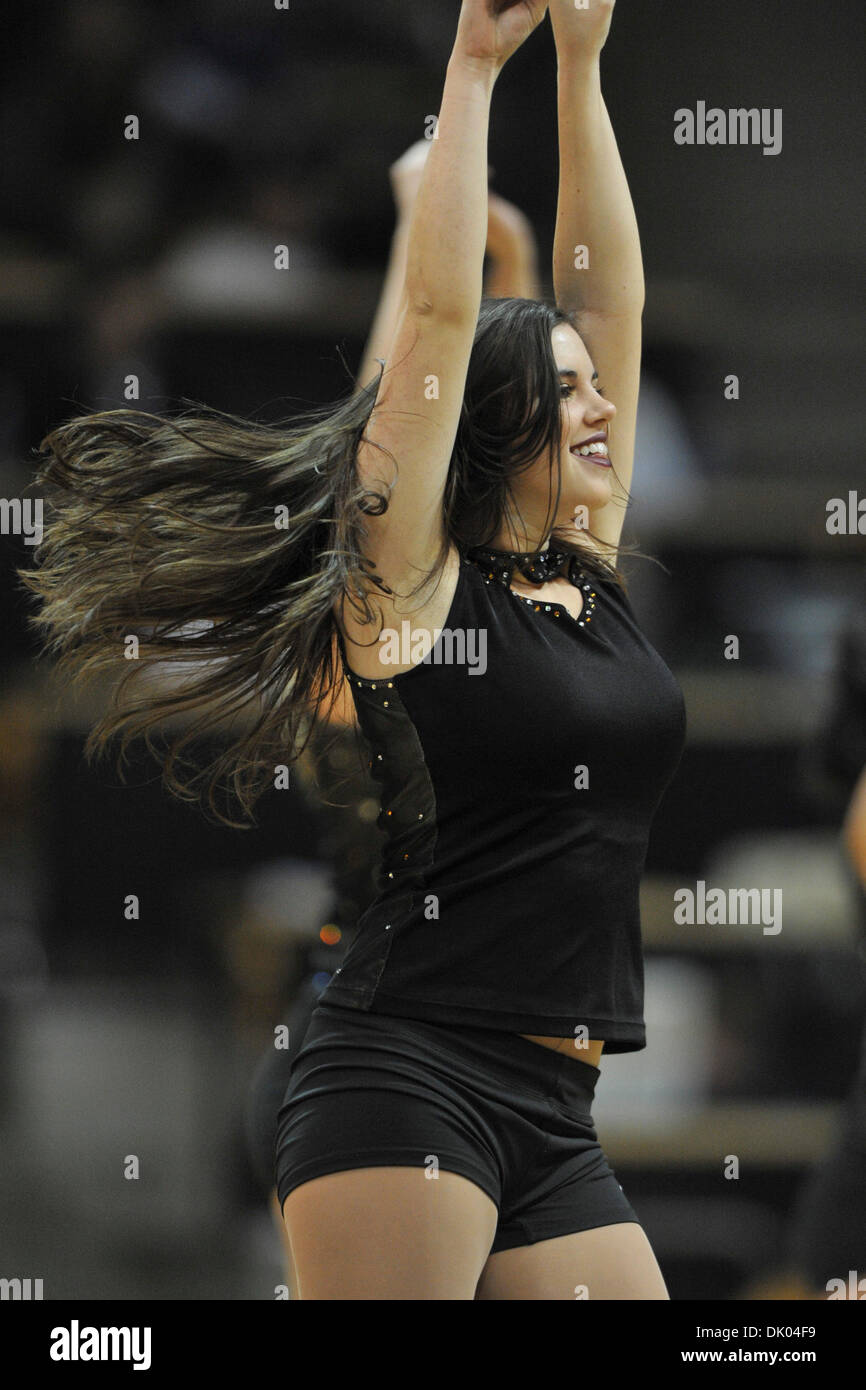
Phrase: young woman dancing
pixel 453 530
pixel 512 271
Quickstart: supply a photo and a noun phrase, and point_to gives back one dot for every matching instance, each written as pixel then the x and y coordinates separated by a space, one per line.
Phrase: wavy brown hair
pixel 220 546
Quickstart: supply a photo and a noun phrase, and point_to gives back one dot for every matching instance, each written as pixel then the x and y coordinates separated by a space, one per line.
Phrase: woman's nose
pixel 604 410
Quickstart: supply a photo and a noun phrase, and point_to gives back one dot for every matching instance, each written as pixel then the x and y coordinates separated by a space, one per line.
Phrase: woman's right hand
pixel 489 31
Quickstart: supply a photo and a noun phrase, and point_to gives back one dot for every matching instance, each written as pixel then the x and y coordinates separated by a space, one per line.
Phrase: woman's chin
pixel 587 501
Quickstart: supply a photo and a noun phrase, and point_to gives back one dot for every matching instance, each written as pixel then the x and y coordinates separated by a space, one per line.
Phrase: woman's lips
pixel 602 460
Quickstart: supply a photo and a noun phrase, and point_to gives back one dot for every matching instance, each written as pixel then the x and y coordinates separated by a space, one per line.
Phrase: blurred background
pixel 152 1038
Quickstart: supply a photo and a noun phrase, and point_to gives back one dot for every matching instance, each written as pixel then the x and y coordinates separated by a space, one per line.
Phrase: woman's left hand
pixel 581 31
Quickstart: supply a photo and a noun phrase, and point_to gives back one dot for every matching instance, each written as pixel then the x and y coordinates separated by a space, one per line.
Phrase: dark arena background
pixel 143 1051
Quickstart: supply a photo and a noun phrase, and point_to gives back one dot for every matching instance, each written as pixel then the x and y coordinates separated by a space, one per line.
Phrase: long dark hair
pixel 219 546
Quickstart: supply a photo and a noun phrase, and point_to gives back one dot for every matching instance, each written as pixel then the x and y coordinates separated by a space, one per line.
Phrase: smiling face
pixel 587 478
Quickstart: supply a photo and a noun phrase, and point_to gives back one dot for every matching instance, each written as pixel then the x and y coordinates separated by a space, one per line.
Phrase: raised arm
pixel 420 397
pixel 512 251
pixel 405 175
pixel 512 255
pixel 604 284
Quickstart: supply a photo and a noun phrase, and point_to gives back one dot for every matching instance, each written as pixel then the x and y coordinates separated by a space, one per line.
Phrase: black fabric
pixel 509 896
pixel 537 566
pixel 512 1117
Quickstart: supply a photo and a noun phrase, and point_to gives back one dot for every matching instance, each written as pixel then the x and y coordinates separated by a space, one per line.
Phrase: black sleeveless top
pixel 520 766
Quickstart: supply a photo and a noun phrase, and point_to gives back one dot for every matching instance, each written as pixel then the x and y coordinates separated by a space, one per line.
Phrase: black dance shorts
pixel 368 1090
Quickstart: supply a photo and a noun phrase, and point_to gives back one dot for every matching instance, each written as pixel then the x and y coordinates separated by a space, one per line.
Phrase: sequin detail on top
pixel 407 817
pixel 518 909
pixel 498 566
pixel 538 566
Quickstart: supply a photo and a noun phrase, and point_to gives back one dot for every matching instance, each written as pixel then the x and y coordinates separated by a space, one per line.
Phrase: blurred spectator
pixel 827 1232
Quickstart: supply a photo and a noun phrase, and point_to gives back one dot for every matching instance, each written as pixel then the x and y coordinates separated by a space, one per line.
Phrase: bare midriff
pixel 588 1052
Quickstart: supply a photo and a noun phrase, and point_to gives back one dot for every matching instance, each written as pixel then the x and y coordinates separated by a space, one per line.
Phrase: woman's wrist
pixel 578 62
pixel 483 70
pixel 580 34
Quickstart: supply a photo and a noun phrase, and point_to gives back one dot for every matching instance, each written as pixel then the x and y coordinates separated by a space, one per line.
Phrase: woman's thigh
pixel 274 1204
pixel 608 1262
pixel 389 1233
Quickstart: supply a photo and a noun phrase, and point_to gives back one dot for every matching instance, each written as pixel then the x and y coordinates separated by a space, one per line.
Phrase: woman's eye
pixel 566 391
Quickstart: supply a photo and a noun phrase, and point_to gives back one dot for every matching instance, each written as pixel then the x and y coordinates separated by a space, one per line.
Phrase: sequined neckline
pixel 536 566
pixel 498 566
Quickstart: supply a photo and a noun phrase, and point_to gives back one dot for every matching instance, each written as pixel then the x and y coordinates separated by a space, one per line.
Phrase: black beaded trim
pixel 378 684
pixel 537 566
pixel 578 579
pixel 407 807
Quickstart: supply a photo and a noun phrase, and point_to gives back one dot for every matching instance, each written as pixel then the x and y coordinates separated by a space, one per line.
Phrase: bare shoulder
pixel 425 613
